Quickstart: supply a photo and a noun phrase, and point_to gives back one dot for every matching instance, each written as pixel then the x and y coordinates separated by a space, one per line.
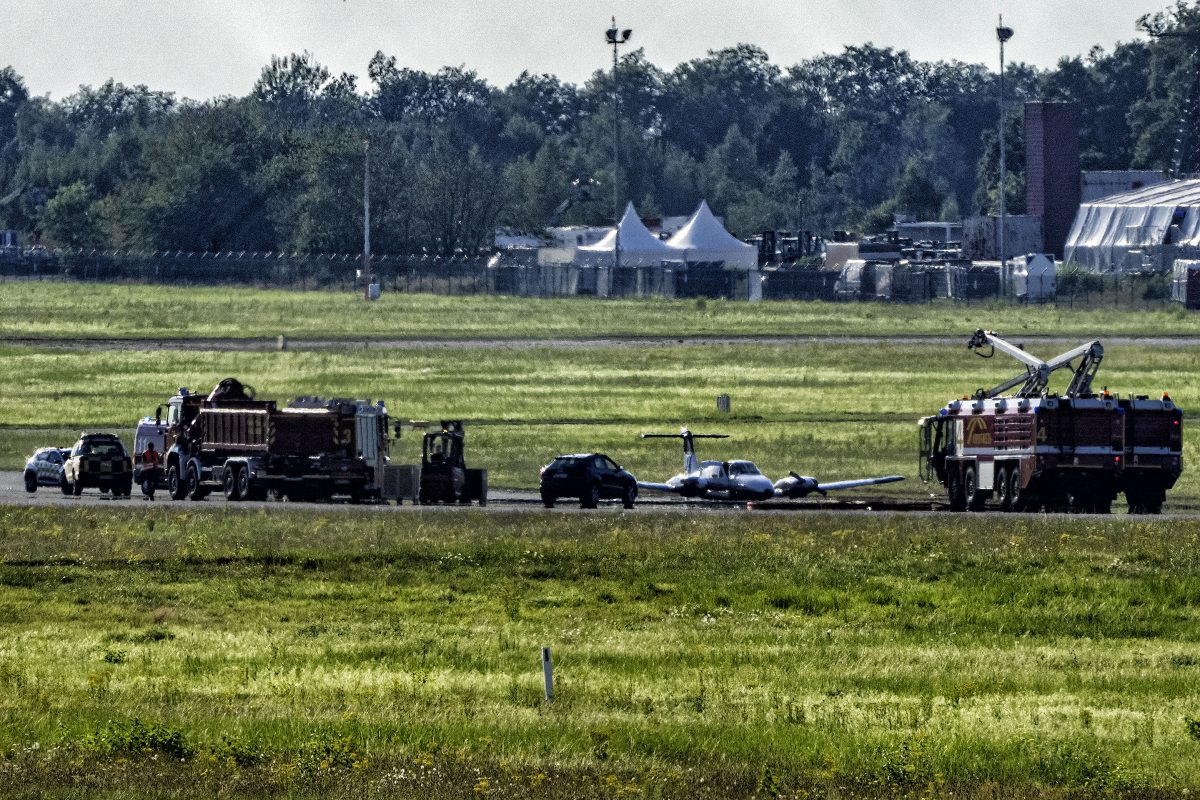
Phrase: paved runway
pixel 12 492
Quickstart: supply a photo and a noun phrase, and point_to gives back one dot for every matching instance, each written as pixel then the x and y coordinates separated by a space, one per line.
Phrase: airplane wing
pixel 658 487
pixel 833 487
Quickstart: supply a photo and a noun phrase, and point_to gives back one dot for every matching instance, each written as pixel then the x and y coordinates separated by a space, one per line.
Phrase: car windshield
pixel 564 462
pixel 743 468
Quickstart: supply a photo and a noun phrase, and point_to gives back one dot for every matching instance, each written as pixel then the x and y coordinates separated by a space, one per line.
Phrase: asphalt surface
pixel 12 492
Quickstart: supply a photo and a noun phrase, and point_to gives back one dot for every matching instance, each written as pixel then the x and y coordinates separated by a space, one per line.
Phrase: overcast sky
pixel 206 48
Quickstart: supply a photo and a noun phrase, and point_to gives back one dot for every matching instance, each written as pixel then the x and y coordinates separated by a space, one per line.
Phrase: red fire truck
pixel 1036 450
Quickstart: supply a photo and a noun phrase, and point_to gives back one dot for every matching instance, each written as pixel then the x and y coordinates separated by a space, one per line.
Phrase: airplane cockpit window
pixel 743 468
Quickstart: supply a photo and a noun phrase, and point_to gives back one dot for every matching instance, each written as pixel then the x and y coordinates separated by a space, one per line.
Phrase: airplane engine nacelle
pixel 797 486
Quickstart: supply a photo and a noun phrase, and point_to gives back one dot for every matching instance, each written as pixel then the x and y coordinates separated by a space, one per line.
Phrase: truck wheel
pixel 194 492
pixel 972 494
pixel 1004 490
pixel 630 496
pixel 954 490
pixel 127 487
pixel 230 484
pixel 245 486
pixel 175 484
pixel 77 487
pixel 31 482
pixel 63 485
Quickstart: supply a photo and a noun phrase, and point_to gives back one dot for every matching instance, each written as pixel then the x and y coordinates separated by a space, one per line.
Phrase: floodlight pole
pixel 367 219
pixel 616 38
pixel 1003 34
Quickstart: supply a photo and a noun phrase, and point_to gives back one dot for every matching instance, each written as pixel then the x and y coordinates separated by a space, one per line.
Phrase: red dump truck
pixel 1035 450
pixel 312 449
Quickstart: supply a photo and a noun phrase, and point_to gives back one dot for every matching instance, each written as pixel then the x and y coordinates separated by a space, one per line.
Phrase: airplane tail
pixel 690 462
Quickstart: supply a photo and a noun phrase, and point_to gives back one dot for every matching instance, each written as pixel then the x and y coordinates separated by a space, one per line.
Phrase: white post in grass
pixel 548 673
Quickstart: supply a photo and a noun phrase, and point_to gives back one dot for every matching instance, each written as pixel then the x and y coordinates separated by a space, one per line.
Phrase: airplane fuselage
pixel 716 480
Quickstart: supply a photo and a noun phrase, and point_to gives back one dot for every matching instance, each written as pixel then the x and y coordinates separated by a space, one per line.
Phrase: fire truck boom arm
pixel 1037 372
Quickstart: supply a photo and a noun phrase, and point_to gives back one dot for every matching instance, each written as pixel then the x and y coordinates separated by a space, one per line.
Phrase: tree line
pixel 843 140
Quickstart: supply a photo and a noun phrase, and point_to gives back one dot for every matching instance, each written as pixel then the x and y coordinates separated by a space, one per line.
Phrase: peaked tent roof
pixel 704 238
pixel 639 247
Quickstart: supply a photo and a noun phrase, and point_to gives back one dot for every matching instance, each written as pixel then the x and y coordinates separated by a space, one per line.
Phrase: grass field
pixel 208 650
pixel 56 310
pixel 732 655
pixel 831 410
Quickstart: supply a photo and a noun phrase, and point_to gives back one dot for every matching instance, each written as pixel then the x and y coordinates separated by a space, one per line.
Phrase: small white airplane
pixel 740 480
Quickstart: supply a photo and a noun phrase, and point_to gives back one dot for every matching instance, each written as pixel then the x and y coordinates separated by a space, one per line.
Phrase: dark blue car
pixel 591 477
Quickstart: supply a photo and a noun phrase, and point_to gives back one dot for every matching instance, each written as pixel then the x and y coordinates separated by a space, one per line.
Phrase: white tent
pixel 704 239
pixel 638 246
pixel 1113 234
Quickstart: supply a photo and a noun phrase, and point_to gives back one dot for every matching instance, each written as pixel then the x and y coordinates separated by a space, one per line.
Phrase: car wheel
pixel 591 497
pixel 231 484
pixel 175 485
pixel 31 482
pixel 548 500
pixel 630 496
pixel 194 492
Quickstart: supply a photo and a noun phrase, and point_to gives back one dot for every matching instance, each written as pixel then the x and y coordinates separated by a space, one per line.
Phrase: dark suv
pixel 591 477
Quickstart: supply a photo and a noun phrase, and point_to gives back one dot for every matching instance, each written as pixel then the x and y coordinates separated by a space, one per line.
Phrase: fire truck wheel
pixel 1018 498
pixel 1003 489
pixel 972 494
pixel 1057 502
pixel 230 484
pixel 954 490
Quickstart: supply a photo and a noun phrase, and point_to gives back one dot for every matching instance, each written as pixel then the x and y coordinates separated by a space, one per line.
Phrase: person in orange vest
pixel 151 469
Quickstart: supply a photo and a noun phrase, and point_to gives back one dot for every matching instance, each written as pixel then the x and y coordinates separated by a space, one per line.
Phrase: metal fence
pixel 524 277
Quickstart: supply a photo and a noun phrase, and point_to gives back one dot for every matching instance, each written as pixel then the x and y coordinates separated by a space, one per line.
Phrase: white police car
pixel 45 467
